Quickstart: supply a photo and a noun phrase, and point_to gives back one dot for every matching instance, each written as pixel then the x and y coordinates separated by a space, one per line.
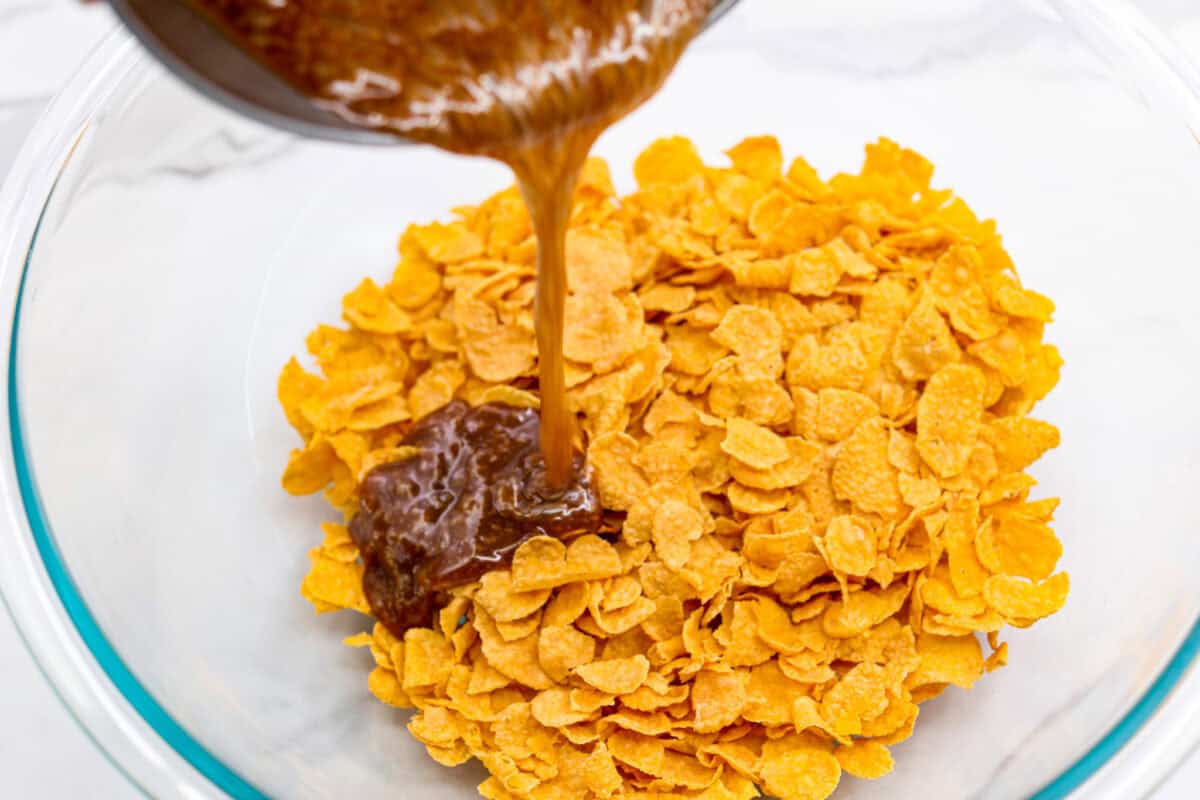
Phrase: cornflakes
pixel 804 403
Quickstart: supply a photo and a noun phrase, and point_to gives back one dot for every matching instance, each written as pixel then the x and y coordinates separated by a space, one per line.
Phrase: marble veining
pixel 217 151
pixel 988 784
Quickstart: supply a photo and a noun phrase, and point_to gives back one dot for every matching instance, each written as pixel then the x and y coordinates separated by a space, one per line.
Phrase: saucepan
pixel 199 53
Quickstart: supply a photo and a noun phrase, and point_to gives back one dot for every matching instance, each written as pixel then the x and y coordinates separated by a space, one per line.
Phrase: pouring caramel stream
pixel 531 83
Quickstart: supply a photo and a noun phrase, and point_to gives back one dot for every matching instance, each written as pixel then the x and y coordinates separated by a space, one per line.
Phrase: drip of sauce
pixel 531 83
pixel 476 489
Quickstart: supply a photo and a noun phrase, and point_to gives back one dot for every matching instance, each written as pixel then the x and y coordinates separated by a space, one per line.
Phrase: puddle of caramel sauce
pixel 460 507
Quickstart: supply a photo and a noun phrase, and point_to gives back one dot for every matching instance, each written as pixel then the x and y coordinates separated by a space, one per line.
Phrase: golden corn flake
pixel 948 416
pixel 753 445
pixel 1020 441
pixel 801 774
pixel 849 545
pixel 759 157
pixel 368 308
pixel 756 336
pixel 924 343
pixel 839 411
pixel 816 271
pixel 615 676
pixel 862 473
pixel 1017 599
pixel 805 406
pixel 957 660
pixel 333 584
pixel 497 596
pixel 862 610
pixel 718 699
pixel 1016 546
pixel 671 160
pixel 865 758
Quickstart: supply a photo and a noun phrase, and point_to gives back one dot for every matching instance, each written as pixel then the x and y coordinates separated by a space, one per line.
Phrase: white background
pixel 43 754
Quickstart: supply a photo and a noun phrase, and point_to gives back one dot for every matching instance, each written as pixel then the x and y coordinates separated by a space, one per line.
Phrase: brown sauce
pixel 460 507
pixel 484 77
pixel 531 83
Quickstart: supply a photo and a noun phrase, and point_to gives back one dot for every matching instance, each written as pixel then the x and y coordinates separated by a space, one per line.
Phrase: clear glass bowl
pixel 161 259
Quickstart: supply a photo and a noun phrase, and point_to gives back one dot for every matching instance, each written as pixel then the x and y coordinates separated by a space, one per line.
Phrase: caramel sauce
pixel 460 507
pixel 531 83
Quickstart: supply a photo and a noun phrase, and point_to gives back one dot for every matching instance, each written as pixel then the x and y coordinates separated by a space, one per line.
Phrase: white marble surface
pixel 43 753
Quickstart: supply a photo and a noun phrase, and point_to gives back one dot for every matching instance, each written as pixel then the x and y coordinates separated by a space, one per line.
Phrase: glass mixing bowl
pixel 162 259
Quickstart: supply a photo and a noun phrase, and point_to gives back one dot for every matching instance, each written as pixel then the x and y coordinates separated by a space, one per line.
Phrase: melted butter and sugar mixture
pixel 529 83
pixel 486 77
pixel 460 507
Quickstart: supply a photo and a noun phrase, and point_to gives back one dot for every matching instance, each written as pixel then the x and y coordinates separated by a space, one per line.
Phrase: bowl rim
pixel 138 735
